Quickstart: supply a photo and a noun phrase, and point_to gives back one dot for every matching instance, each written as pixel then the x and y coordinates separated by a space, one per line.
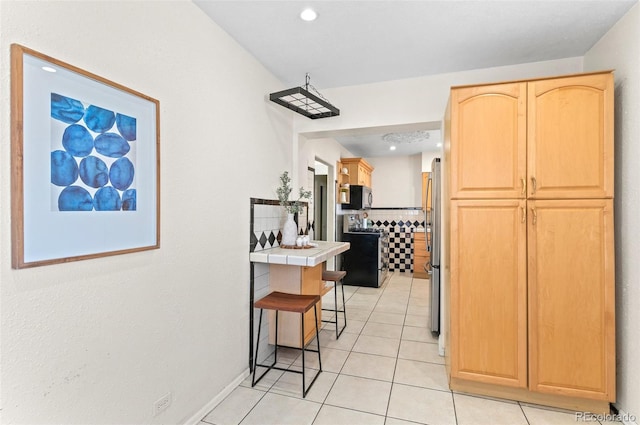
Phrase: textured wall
pixel 99 341
pixel 619 49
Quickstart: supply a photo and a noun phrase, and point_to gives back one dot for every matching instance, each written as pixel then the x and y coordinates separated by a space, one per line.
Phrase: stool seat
pixel 333 276
pixel 283 301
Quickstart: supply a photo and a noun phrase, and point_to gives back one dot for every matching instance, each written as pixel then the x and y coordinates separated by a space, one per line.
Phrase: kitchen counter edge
pixel 300 257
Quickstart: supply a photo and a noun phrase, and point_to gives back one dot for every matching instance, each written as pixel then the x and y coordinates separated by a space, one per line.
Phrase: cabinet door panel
pixel 571 298
pixel 570 137
pixel 488 141
pixel 312 284
pixel 295 280
pixel 488 291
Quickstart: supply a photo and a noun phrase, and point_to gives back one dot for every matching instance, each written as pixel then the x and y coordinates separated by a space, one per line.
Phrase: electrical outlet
pixel 162 404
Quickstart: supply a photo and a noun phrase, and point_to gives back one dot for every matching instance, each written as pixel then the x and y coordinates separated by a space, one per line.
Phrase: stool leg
pixel 255 360
pixel 335 303
pixel 315 313
pixel 275 354
pixel 304 391
pixel 344 306
pixel 254 381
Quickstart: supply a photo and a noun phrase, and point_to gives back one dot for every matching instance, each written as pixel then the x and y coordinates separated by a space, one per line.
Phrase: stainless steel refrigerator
pixel 433 237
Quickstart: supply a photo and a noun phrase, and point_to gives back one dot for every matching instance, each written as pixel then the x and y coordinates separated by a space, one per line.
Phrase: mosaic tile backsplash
pixel 401 223
pixel 267 220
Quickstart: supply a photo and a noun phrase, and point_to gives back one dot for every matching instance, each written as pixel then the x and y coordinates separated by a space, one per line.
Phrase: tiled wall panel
pixel 400 223
pixel 266 219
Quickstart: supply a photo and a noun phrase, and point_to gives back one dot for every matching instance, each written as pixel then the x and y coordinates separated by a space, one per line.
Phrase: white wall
pixel 619 49
pixel 417 100
pixel 396 181
pixel 329 151
pixel 99 341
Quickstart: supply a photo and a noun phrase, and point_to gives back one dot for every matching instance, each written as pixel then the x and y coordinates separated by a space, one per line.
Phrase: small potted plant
pixel 290 229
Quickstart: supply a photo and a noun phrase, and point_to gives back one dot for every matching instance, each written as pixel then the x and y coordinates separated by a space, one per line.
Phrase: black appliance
pixel 360 198
pixel 367 261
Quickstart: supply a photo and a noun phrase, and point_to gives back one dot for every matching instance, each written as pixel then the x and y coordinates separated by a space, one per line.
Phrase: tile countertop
pixel 300 257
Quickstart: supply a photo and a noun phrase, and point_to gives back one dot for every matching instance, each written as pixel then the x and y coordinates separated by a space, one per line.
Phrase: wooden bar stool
pixel 335 277
pixel 280 301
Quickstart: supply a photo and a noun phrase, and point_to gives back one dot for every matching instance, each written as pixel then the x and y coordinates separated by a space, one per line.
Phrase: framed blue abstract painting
pixel 85 164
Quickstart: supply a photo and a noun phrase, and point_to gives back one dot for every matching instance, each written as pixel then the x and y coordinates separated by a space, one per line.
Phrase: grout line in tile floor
pixel 342 395
pixel 524 414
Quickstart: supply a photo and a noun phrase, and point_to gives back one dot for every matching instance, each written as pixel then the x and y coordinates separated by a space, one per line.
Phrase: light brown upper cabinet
pixel 543 139
pixel 351 171
pixel 489 157
pixel 570 137
pixel 359 171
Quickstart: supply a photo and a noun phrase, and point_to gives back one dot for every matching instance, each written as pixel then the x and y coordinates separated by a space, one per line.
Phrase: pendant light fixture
pixel 302 101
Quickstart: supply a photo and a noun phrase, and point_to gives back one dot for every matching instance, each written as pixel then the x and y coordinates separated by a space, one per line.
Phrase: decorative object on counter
pixel 343 194
pixel 289 231
pixel 299 246
pixel 302 101
pixel 85 164
pixel 290 228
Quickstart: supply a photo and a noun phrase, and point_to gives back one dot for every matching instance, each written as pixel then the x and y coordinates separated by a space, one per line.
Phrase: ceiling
pixel 406 140
pixel 359 42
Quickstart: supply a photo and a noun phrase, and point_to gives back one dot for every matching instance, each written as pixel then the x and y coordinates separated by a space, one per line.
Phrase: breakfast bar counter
pixel 309 257
pixel 297 271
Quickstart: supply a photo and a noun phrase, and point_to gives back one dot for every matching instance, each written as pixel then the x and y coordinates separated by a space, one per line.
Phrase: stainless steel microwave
pixel 360 198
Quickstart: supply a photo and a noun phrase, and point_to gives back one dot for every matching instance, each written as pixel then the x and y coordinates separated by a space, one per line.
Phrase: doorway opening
pixel 321 206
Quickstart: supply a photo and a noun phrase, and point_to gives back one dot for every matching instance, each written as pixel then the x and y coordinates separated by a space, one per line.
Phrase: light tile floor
pixel 384 370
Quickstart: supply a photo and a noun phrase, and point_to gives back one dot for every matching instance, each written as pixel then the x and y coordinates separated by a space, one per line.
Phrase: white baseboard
pixel 195 419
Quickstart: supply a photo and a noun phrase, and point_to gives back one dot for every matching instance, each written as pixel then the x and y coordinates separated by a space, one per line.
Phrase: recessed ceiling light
pixel 48 69
pixel 308 15
pixel 392 148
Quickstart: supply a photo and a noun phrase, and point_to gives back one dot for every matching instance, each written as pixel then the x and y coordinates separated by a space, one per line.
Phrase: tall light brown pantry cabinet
pixel 531 284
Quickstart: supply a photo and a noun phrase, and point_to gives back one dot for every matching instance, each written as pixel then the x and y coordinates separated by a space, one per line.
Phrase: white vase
pixel 289 231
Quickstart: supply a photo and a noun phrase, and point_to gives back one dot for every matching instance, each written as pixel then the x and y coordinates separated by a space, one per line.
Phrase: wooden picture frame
pixel 85 161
